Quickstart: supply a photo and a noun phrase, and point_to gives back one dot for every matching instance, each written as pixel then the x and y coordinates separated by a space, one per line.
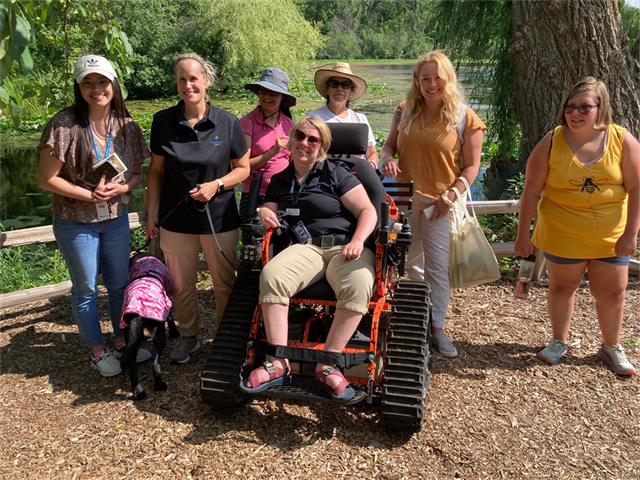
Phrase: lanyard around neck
pixel 303 185
pixel 95 146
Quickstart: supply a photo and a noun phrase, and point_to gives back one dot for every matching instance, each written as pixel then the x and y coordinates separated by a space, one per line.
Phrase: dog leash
pixel 206 208
pixel 186 197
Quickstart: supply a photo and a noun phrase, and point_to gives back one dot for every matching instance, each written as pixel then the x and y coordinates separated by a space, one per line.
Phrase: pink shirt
pixel 263 137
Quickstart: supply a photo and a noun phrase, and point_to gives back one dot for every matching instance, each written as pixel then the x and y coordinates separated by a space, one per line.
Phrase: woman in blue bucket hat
pixel 266 131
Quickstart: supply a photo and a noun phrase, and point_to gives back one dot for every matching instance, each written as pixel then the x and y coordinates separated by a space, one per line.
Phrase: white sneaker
pixel 106 363
pixel 142 356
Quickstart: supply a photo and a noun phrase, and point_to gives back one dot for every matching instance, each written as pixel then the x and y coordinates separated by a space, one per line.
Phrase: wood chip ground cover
pixel 494 412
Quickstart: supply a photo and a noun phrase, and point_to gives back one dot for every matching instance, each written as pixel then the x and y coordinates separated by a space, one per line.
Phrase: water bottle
pixel 524 277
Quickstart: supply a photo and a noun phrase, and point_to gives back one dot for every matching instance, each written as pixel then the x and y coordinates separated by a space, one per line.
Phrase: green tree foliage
pixel 480 33
pixel 158 30
pixel 48 29
pixel 630 17
pixel 371 28
pixel 248 35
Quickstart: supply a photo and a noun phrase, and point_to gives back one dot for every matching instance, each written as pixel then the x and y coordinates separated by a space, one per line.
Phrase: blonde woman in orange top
pixel 588 217
pixel 424 135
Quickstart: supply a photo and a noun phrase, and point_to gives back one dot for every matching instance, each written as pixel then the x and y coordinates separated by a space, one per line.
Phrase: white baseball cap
pixel 93 64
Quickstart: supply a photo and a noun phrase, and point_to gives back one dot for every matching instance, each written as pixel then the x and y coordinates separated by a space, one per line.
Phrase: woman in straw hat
pixel 266 131
pixel 340 86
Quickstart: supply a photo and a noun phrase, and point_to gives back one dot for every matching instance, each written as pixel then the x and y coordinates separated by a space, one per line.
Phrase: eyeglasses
pixel 265 92
pixel 311 139
pixel 583 109
pixel 346 85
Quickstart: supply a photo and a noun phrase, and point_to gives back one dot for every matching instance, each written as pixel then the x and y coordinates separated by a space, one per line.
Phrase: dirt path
pixel 494 412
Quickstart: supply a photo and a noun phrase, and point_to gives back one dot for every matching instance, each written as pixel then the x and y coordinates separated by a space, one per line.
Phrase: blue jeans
pixel 90 249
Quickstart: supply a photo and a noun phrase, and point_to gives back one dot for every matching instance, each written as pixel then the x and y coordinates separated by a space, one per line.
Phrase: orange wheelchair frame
pixel 397 355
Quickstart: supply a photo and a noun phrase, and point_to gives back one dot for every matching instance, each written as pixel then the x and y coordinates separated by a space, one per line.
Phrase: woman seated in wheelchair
pixel 331 217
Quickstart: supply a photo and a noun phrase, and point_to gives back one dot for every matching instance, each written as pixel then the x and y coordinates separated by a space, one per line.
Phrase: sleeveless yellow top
pixel 583 211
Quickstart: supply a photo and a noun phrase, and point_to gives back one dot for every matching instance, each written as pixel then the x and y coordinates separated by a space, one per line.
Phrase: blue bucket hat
pixel 277 81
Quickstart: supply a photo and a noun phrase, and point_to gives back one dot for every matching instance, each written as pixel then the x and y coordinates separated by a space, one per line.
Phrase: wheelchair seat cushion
pixel 321 290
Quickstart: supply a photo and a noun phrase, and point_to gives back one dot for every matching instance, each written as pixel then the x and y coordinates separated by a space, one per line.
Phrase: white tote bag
pixel 471 258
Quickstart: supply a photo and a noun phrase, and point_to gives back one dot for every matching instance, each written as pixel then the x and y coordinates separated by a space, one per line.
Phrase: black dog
pixel 146 305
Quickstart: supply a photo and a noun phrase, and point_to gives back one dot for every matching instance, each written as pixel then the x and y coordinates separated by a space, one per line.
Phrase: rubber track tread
pixel 407 369
pixel 222 372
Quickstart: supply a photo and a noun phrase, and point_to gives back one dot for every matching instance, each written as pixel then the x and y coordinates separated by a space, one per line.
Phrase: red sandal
pixel 277 376
pixel 341 393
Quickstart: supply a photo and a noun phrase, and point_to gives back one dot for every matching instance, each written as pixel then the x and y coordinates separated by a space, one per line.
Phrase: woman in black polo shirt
pixel 325 202
pixel 193 146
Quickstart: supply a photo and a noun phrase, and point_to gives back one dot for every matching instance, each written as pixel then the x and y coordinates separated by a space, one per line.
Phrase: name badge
pixel 103 211
pixel 301 233
pixel 293 211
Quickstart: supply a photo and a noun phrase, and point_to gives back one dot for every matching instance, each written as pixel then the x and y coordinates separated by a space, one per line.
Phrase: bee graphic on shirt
pixel 590 184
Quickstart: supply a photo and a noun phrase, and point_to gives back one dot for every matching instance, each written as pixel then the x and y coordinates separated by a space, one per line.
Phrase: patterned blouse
pixel 61 137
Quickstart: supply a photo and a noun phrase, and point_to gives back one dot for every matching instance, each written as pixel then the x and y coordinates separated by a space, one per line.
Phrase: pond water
pixel 23 204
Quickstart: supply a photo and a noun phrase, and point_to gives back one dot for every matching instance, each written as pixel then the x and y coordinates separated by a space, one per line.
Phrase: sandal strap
pixel 328 370
pixel 273 371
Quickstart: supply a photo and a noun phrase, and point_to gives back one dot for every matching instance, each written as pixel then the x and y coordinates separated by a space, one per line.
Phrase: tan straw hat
pixel 339 69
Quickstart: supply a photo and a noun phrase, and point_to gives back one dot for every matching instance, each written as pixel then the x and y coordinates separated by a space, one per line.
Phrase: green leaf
pixel 4 94
pixel 4 16
pixel 21 35
pixel 27 62
pixel 5 35
pixel 125 92
pixel 125 43
pixel 109 41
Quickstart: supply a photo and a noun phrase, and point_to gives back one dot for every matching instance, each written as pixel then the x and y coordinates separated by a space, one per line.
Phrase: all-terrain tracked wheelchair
pixel 389 354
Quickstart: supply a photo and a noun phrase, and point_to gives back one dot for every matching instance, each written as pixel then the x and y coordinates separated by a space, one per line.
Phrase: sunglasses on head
pixel 583 109
pixel 311 139
pixel 346 85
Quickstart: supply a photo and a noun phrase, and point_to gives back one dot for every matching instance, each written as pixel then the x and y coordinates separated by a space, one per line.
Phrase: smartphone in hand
pixel 428 212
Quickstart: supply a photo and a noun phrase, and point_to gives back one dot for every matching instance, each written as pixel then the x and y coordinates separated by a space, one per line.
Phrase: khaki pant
pixel 181 256
pixel 299 266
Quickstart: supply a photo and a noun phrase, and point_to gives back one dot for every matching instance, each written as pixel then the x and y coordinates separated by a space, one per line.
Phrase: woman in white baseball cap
pixel 340 87
pixel 90 219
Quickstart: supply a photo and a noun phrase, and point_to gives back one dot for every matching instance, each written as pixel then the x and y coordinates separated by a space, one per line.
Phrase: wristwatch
pixel 220 185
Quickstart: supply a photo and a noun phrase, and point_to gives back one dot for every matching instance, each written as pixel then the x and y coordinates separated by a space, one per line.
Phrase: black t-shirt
pixel 317 199
pixel 192 155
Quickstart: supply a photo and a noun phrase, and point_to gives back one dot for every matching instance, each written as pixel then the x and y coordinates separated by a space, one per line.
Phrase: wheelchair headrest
pixel 348 138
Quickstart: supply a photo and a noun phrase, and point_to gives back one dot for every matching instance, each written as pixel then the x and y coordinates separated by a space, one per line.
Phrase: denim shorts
pixel 624 261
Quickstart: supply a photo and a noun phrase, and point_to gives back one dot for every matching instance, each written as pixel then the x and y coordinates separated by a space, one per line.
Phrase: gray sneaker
pixel 615 357
pixel 444 345
pixel 186 346
pixel 106 363
pixel 142 356
pixel 553 352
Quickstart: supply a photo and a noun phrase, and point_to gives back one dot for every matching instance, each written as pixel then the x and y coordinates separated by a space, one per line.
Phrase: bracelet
pixel 445 198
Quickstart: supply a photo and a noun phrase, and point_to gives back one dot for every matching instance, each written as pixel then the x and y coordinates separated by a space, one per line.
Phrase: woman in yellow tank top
pixel 588 217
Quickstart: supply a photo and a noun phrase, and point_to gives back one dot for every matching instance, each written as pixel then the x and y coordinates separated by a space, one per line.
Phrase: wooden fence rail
pixel 31 236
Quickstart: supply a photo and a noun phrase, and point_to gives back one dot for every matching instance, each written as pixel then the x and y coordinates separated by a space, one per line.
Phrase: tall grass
pixel 18 85
pixel 30 266
pixel 39 265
